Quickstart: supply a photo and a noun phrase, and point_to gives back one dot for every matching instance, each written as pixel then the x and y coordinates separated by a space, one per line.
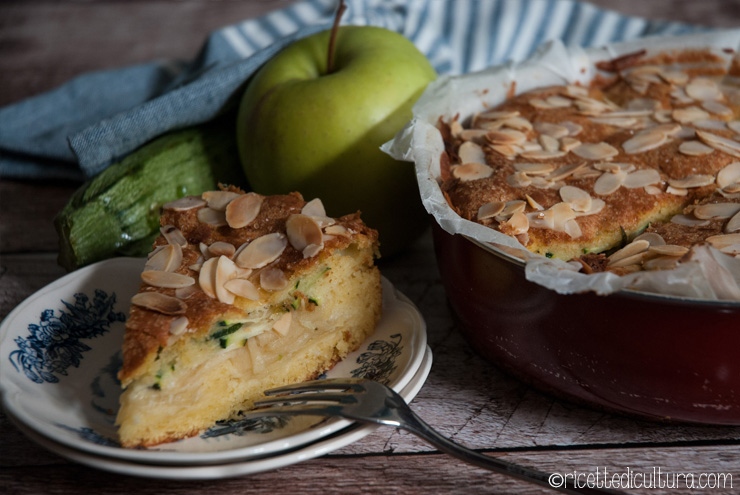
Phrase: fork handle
pixel 419 427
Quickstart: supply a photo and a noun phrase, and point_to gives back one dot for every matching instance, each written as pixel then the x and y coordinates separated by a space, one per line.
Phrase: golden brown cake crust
pixel 572 171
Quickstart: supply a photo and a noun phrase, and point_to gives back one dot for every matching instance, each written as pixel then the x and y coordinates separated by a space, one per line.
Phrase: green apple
pixel 303 127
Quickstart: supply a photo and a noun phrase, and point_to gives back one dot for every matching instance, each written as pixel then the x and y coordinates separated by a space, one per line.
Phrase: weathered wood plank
pixel 47 43
pixel 418 473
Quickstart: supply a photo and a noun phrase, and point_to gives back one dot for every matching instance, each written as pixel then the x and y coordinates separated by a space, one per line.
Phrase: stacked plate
pixel 60 352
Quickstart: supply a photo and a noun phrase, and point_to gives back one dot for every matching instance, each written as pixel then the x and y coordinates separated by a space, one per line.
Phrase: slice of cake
pixel 241 293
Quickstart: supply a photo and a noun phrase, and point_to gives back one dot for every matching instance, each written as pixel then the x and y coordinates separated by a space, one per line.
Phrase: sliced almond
pixel 729 175
pixel 565 171
pixel 641 178
pixel 572 228
pixel 635 247
pixel 184 204
pixel 722 241
pixel 615 167
pixel 596 151
pixel 568 144
pixel 697 180
pixel 161 303
pixel 674 76
pixel 688 221
pixel 720 143
pixel 669 250
pixel 542 154
pixel 265 249
pixel 472 134
pixel 168 280
pixel 733 225
pixel 716 210
pixel 577 198
pixel 609 119
pixel 519 179
pixel 553 130
pixel 517 122
pixel 225 271
pixel 575 91
pixel 548 143
pixel 534 168
pixel 710 124
pixel 702 88
pixel 470 152
pixel 173 235
pixel 643 104
pixel 207 277
pixel 242 210
pixel 506 150
pixel 717 108
pixel 608 183
pixel 179 326
pixel 337 230
pixel 242 288
pixel 471 171
pixel 561 214
pixel 313 249
pixel 574 129
pixel 302 231
pixel 591 106
pixel 517 224
pixel 218 200
pixel 513 206
pixel 166 259
pixel 490 210
pixel 694 148
pixel 677 191
pixel 596 206
pixel 644 141
pixel 506 136
pixel 220 248
pixel 533 203
pixel 652 238
pixel 497 115
pixel 557 101
pixel 661 263
pixel 734 126
pixel 209 216
pixel 688 115
pixel 315 207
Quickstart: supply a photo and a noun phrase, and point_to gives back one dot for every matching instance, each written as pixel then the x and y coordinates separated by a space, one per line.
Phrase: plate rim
pixel 322 446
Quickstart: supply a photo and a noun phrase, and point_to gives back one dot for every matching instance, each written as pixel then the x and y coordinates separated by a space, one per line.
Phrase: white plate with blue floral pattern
pixel 60 352
pixel 311 450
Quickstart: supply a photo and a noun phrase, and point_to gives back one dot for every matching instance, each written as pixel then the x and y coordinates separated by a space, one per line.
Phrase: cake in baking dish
pixel 240 294
pixel 578 172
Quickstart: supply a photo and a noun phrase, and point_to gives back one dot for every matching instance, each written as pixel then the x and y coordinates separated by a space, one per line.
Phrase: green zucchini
pixel 116 213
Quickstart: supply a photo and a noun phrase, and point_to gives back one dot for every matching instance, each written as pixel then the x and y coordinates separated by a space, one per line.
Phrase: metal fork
pixel 369 401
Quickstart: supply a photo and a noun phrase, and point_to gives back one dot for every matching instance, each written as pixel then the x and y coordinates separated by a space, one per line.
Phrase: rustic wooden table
pixel 45 43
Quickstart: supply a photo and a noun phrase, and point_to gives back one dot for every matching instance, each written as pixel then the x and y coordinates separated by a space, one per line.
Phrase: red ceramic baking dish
pixel 643 354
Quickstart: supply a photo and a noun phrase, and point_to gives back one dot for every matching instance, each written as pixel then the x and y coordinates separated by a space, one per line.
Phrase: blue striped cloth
pixel 76 130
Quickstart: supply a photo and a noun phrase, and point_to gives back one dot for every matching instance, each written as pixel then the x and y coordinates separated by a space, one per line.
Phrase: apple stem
pixel 332 37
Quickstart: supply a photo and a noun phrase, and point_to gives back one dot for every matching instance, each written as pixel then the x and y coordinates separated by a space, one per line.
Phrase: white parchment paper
pixel 709 275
